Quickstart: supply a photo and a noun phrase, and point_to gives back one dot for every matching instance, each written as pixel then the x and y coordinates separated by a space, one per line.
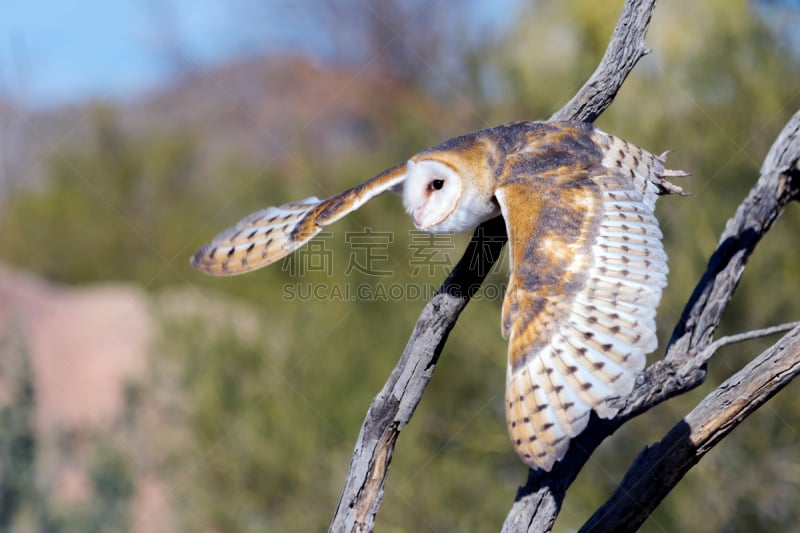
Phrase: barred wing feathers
pixel 272 233
pixel 587 269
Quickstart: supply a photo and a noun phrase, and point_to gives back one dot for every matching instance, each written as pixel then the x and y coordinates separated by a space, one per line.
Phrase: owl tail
pixel 649 173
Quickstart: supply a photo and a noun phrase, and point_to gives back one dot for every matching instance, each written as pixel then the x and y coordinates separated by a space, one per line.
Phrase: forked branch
pixel 393 407
pixel 660 467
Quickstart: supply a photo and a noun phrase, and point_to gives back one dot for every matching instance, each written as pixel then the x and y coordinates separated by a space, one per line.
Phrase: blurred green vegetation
pixel 260 411
pixel 28 500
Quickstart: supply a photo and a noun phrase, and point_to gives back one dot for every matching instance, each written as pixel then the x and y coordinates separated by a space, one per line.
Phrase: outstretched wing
pixel 586 276
pixel 272 233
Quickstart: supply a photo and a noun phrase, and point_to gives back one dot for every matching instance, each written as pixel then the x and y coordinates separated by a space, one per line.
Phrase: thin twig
pixel 712 348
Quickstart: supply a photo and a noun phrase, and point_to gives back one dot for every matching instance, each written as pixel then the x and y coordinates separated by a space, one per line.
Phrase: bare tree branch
pixel 392 408
pixel 626 48
pixel 660 467
pixel 778 184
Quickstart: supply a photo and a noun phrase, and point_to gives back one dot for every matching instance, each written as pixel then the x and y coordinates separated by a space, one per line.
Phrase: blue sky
pixel 89 48
pixel 54 52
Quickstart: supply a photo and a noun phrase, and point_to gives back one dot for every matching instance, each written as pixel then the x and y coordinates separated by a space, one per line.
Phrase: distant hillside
pixel 258 109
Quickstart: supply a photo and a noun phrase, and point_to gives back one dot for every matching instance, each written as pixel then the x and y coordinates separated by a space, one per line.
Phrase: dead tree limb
pixel 393 407
pixel 538 502
pixel 778 184
pixel 660 467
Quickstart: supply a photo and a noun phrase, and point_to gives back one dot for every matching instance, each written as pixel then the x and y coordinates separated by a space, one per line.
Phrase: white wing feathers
pixel 588 341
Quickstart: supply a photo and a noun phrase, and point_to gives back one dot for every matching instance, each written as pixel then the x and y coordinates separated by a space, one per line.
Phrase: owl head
pixel 447 194
pixel 431 193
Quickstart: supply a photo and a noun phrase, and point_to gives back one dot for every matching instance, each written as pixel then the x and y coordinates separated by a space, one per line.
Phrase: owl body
pixel 587 263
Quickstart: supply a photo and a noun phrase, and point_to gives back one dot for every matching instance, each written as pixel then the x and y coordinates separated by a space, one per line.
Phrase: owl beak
pixel 416 216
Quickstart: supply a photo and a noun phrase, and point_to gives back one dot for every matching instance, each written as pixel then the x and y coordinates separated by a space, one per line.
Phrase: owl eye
pixel 435 185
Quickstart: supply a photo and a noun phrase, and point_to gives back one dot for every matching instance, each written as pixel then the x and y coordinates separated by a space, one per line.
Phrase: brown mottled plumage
pixel 587 264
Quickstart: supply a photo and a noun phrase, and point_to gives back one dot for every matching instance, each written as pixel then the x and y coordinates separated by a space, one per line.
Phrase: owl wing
pixel 272 233
pixel 587 269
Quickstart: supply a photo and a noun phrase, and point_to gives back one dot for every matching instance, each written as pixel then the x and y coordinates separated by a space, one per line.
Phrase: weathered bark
pixel 394 405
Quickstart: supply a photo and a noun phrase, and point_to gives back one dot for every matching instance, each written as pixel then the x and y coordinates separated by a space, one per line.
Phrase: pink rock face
pixel 84 344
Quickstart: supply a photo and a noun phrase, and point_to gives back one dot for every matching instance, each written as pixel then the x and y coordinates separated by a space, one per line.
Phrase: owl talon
pixel 675 174
pixel 666 187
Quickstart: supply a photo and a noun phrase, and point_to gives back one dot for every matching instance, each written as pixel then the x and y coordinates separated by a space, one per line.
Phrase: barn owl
pixel 587 263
